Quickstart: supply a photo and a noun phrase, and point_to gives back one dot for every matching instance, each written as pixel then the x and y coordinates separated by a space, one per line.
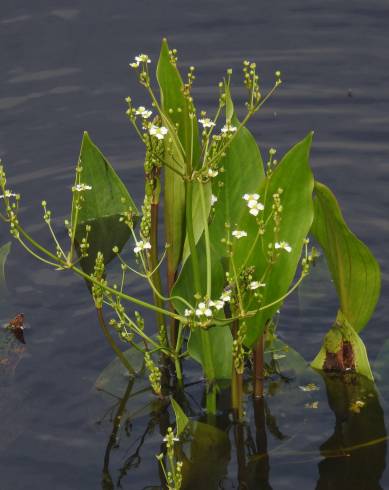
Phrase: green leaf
pixel 181 419
pixel 177 110
pixel 102 205
pixel 220 337
pixel 221 348
pixel 293 175
pixel 355 271
pixel 4 251
pixel 243 173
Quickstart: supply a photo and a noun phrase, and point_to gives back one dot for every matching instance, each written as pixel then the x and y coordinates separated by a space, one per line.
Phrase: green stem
pixel 89 278
pixel 207 241
pixel 207 351
pixel 111 342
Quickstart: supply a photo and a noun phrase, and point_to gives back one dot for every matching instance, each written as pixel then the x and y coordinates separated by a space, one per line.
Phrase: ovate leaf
pixel 242 173
pixel 293 175
pixel 355 271
pixel 102 206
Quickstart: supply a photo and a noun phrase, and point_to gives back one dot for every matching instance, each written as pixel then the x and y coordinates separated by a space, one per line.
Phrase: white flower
pixel 143 112
pixel 226 295
pixel 8 194
pixel 141 246
pixel 81 188
pixel 227 128
pixel 255 207
pixel 206 122
pixel 188 312
pixel 158 132
pixel 239 233
pixel 283 246
pixel 251 197
pixel 134 65
pixel 142 58
pixel 219 304
pixel 212 172
pixel 213 200
pixel 203 310
pixel 256 284
pixel 170 438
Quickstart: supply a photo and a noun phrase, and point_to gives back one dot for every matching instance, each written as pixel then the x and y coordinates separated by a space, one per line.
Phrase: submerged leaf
pixel 102 205
pixel 354 269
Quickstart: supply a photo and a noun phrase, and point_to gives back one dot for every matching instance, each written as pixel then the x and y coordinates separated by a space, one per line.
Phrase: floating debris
pixel 309 387
pixel 356 406
pixel 276 357
pixel 314 404
pixel 17 326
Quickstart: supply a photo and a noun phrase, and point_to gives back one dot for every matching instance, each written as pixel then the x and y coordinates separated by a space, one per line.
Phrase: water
pixel 65 69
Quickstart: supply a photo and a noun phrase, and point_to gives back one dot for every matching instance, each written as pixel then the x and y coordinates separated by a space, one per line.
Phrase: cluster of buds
pixel 99 283
pixel 173 56
pixel 189 83
pixel 309 258
pixel 154 375
pixel 84 244
pixel 271 163
pixel 251 82
pixel 11 202
pixel 173 475
pixel 238 349
pixel 127 217
pixel 277 211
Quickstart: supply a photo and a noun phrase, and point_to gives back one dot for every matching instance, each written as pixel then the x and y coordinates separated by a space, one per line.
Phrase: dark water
pixel 64 68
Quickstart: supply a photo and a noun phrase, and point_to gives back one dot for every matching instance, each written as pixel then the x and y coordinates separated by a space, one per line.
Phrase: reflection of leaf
pixel 209 455
pixel 360 436
pixel 293 364
pixel 354 269
pixel 4 251
pixel 181 419
pixel 102 205
pixel 114 378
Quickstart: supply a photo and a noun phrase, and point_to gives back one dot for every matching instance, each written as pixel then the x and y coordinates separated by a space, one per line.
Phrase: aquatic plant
pixel 236 232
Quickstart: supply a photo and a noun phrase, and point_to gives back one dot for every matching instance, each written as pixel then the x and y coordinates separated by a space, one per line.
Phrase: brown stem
pixel 259 367
pixel 241 455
